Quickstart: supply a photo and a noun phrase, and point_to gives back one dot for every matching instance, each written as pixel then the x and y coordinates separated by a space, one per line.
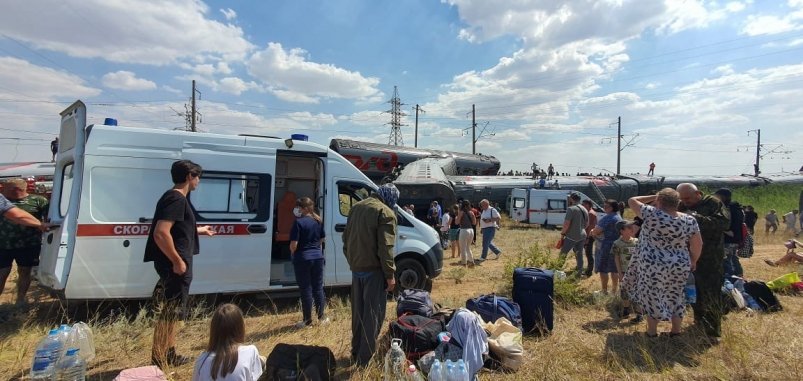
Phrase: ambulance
pixel 108 178
pixel 546 207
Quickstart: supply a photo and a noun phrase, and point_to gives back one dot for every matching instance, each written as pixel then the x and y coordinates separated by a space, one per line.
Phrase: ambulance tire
pixel 410 273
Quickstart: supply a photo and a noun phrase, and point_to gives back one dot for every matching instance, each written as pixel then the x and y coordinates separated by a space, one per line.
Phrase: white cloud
pixel 290 76
pixel 40 83
pixel 229 14
pixel 171 89
pixel 126 80
pixel 234 85
pixel 157 33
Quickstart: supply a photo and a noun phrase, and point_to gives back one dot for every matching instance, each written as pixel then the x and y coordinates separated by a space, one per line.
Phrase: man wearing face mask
pixel 368 242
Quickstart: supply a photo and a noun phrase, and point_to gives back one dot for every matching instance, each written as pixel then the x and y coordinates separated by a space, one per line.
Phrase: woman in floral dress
pixel 669 246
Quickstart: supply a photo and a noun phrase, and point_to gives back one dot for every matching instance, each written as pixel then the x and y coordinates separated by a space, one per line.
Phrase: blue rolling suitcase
pixel 533 290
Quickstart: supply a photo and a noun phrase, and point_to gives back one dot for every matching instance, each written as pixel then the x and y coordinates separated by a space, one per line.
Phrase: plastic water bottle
pixel 450 371
pixel 461 372
pixel 690 290
pixel 436 371
pixel 413 374
pixel 394 362
pixel 45 357
pixel 71 367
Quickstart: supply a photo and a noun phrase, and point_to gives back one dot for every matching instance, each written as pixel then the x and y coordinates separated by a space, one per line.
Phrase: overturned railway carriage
pixel 497 189
pixel 378 160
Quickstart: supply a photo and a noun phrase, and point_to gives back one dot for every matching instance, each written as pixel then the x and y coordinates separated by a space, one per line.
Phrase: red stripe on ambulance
pixel 113 230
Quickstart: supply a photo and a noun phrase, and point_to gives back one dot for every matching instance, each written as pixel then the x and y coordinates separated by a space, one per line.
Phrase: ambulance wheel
pixel 410 273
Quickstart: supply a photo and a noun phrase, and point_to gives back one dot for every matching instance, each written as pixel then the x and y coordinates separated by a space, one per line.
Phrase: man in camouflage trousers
pixel 713 220
pixel 20 243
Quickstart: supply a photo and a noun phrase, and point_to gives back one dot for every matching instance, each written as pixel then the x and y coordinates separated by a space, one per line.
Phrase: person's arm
pixel 294 233
pixel 205 230
pixel 695 249
pixel 617 258
pixel 386 241
pixel 567 221
pixel 635 203
pixel 21 217
pixel 715 218
pixel 163 239
pixel 473 218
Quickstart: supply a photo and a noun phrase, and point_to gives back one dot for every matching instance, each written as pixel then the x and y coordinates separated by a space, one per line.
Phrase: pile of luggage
pixel 486 333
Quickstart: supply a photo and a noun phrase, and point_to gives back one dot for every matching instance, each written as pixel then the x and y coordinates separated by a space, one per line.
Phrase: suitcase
pixel 533 290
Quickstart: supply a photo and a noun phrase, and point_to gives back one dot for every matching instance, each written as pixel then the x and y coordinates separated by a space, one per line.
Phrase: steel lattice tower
pixel 396 115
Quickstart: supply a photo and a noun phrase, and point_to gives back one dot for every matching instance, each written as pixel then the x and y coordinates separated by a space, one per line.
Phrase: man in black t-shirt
pixel 172 241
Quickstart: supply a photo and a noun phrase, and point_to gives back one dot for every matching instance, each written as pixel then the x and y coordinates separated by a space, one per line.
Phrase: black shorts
pixel 171 303
pixel 25 257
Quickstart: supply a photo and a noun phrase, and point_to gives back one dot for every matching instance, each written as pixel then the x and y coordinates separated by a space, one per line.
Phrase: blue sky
pixel 689 78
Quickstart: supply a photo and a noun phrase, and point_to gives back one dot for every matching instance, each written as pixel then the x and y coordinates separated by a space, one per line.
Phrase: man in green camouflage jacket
pixel 20 243
pixel 713 220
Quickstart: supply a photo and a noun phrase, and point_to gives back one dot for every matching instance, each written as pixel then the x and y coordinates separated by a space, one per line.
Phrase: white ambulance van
pixel 108 179
pixel 546 207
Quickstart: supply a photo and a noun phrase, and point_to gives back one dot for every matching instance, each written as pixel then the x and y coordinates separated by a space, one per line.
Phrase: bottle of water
pixel 44 359
pixel 394 362
pixel 71 367
pixel 690 290
pixel 451 371
pixel 461 372
pixel 436 371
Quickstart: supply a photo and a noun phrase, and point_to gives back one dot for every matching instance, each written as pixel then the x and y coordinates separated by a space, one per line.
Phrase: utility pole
pixel 756 168
pixel 192 128
pixel 417 109
pixel 618 146
pixel 395 119
pixel 473 130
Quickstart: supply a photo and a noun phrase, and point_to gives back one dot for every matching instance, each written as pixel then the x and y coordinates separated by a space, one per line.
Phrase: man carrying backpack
pixel 368 242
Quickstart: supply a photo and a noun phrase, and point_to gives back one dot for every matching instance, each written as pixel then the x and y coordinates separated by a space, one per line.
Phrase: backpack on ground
pixel 533 290
pixel 299 362
pixel 419 334
pixel 414 301
pixel 491 307
pixel 763 296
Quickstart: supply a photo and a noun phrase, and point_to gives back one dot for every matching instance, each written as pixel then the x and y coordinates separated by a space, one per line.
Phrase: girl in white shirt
pixel 225 358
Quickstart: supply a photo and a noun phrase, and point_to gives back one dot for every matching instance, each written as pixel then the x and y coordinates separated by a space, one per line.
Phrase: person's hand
pixel 179 268
pixel 693 266
pixel 44 227
pixel 206 229
pixel 391 285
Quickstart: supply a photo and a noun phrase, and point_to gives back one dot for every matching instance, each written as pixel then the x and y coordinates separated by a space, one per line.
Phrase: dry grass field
pixel 588 342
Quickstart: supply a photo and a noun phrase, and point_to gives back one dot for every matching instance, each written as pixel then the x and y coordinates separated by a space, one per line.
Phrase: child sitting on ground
pixel 790 257
pixel 623 250
pixel 226 358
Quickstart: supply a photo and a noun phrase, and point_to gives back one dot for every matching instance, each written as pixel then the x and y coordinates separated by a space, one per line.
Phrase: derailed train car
pixel 378 160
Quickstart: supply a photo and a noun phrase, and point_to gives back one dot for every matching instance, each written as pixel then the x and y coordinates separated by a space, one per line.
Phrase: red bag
pixel 560 243
pixel 797 286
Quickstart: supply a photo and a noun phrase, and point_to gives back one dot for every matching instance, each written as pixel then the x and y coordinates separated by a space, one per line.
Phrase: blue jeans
pixel 309 275
pixel 487 242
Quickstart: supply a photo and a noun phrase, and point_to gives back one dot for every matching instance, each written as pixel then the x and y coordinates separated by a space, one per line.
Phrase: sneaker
pixel 771 263
pixel 301 324
pixel 479 260
pixel 324 321
pixel 499 254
